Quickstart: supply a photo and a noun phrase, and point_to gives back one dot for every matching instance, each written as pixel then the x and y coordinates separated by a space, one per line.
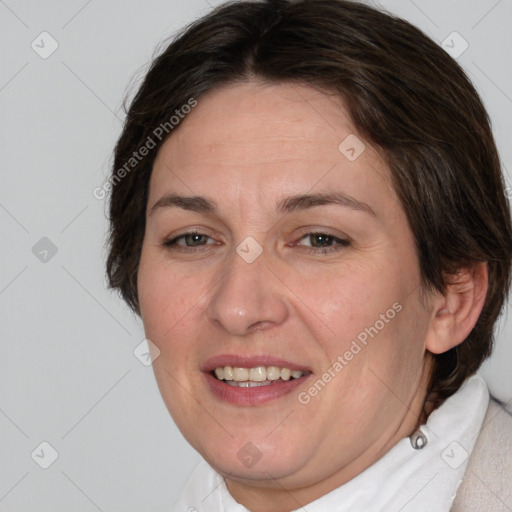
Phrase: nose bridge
pixel 246 295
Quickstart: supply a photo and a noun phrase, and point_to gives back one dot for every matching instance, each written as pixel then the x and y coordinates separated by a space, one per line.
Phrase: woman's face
pixel 302 260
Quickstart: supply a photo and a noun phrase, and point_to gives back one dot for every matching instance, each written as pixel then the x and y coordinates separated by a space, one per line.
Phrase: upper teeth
pixel 256 374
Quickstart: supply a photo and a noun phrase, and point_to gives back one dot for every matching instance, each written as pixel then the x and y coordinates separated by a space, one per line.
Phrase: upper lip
pixel 249 361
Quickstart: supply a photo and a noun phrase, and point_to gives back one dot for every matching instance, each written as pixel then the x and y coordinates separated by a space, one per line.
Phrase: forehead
pixel 265 138
pixel 256 120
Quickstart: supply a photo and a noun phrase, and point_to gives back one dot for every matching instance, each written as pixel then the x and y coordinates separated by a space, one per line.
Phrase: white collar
pixel 403 479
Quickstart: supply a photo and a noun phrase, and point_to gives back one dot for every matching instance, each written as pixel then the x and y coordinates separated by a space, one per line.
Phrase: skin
pixel 247 146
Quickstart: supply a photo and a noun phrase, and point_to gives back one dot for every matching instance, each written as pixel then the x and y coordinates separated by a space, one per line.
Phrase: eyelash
pixel 171 244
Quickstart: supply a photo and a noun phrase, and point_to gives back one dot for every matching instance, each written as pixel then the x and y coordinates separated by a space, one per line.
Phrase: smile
pixel 252 380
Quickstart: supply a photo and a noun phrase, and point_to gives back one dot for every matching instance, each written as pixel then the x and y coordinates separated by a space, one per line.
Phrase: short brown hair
pixel 405 95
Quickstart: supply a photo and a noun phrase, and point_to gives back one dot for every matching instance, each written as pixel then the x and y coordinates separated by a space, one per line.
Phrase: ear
pixel 456 312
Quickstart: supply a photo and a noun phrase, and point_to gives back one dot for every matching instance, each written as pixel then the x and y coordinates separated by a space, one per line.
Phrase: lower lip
pixel 255 395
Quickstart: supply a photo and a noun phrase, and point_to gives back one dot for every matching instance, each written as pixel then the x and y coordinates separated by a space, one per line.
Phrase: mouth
pixel 249 381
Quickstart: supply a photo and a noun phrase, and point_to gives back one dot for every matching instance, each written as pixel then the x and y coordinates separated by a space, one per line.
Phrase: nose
pixel 248 298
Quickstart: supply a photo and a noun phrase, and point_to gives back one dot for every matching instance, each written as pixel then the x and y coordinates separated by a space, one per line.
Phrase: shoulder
pixel 487 483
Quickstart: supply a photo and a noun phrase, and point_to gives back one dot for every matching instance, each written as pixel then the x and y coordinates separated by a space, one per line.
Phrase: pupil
pixel 194 238
pixel 322 238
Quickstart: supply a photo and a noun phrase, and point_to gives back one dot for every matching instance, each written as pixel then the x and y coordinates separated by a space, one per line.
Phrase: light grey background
pixel 67 370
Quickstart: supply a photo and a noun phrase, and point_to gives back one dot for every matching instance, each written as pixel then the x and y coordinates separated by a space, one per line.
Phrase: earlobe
pixel 456 312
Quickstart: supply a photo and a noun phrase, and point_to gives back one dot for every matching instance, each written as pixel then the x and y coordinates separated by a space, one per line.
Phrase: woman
pixel 308 214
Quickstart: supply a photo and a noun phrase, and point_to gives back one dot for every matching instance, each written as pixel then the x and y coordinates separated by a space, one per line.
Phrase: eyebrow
pixel 293 203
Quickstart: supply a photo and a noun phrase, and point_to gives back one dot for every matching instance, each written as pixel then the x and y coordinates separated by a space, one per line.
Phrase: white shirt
pixel 404 479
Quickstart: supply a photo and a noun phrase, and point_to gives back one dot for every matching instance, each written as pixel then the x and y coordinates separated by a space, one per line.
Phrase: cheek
pixel 372 321
pixel 348 302
pixel 167 304
pixel 165 292
pixel 168 299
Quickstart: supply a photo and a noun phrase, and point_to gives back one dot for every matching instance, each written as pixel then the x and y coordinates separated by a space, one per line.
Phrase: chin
pixel 251 456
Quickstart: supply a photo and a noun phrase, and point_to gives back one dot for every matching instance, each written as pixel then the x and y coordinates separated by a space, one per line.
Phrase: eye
pixel 192 240
pixel 319 242
pixel 324 243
